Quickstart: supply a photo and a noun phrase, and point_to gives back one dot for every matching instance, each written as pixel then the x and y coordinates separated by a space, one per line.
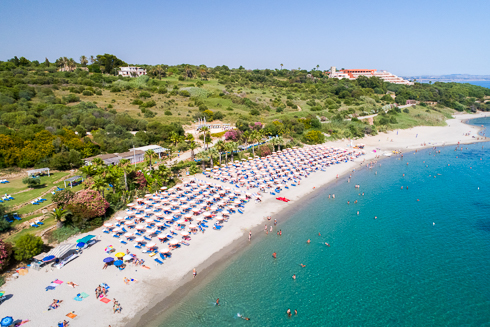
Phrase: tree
pixel 92 60
pixel 149 155
pixel 27 246
pixel 220 146
pixel 59 214
pixel 89 170
pixel 46 62
pixel 5 253
pixel 204 131
pixel 193 145
pixel 255 136
pixel 174 138
pixel 32 182
pixel 83 61
pixel 280 141
pixel 109 62
pixel 228 148
pixel 163 174
pixel 125 166
pixel 281 66
pixel 99 184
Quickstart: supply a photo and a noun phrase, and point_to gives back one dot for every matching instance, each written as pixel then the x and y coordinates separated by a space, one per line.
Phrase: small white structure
pixel 131 71
pixel 156 148
pixel 37 172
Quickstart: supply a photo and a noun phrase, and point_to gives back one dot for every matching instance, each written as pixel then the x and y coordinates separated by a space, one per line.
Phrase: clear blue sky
pixel 404 37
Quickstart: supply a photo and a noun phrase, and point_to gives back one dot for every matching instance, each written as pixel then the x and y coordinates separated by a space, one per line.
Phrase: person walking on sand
pixel 194 273
pixel 249 236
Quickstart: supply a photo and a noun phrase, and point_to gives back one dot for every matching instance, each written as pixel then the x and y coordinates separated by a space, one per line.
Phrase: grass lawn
pixel 32 230
pixel 16 185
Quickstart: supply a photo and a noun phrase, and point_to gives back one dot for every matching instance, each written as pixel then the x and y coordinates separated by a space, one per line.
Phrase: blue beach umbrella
pixel 6 321
pixel 80 244
pixel 108 259
pixel 118 263
pixel 49 258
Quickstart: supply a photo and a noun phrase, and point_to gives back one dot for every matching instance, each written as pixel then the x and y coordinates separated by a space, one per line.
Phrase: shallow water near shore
pixel 419 263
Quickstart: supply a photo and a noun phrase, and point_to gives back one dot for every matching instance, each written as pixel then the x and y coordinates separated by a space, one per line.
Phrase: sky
pixel 404 37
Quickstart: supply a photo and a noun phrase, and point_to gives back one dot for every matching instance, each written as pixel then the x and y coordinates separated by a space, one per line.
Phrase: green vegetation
pixel 27 246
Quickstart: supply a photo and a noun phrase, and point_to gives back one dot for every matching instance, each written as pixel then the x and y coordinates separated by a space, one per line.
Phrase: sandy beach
pixel 157 287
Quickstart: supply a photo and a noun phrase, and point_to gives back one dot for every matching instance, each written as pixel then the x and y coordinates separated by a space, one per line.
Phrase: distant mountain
pixel 448 78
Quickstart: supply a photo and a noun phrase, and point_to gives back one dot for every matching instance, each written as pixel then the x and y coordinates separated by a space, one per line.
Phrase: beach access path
pixel 30 300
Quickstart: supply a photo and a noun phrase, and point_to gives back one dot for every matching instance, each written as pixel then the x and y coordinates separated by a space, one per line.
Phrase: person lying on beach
pixel 72 284
pixel 105 266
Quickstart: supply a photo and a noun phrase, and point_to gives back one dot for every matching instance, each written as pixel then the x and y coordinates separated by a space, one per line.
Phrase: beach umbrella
pixel 184 233
pixel 165 250
pixel 117 263
pixel 128 234
pixel 181 221
pixel 81 245
pixel 150 245
pixel 119 218
pixel 118 230
pixel 6 321
pixel 108 225
pixel 108 259
pixel 174 242
pixel 129 223
pixel 139 239
pixel 161 237
pixel 127 257
pixel 49 258
pixel 119 254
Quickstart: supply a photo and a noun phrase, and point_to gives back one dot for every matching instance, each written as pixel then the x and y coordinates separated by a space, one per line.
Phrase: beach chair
pixel 158 261
pixel 34 225
pixel 115 235
pixel 39 222
pixel 8 219
pixel 105 231
pixel 16 216
pixel 123 242
pixel 137 246
pixel 147 238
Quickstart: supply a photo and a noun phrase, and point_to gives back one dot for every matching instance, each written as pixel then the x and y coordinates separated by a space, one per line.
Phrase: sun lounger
pixel 8 219
pixel 158 261
pixel 147 238
pixel 39 222
pixel 123 242
pixel 34 225
pixel 137 246
pixel 115 235
pixel 105 231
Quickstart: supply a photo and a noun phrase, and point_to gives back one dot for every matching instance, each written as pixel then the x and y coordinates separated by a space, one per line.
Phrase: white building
pixel 353 74
pixel 131 71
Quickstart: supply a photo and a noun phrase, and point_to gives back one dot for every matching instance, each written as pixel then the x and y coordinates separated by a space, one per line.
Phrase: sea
pixel 413 251
pixel 480 83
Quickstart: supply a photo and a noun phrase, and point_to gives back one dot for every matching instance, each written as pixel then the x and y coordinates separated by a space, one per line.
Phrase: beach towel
pixel 58 282
pixel 84 295
pixel 105 300
pixel 77 298
pixel 71 315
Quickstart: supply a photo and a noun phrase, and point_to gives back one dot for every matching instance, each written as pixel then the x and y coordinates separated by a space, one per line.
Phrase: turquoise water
pixel 400 269
pixel 480 83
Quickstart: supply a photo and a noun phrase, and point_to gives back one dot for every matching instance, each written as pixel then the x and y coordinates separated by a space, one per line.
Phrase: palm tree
pixel 317 66
pixel 281 66
pixel 125 166
pixel 228 148
pixel 212 152
pixel 163 173
pixel 83 61
pixel 234 147
pixel 274 142
pixel 71 64
pixel 254 137
pixel 280 141
pixel 204 130
pixel 88 170
pixel 193 145
pixel 59 214
pixel 149 155
pixel 92 59
pixel 220 146
pixel 174 138
pixel 99 185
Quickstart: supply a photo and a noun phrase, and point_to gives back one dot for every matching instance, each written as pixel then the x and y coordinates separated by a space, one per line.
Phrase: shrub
pixel 145 94
pixel 194 170
pixel 98 92
pixel 233 134
pixel 5 253
pixel 61 198
pixel 87 204
pixel 71 98
pixel 314 137
pixel 185 93
pixel 4 225
pixel 279 109
pixel 27 246
pixel 87 92
pixel 168 113
pixel 255 112
pixel 115 89
pixel 162 90
pixel 31 182
pixel 264 150
pixel 137 102
pixel 218 115
pixel 406 110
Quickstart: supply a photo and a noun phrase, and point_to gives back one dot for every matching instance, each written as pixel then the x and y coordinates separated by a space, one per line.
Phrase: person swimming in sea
pixel 274 255
pixel 217 301
pixel 240 316
pixel 327 244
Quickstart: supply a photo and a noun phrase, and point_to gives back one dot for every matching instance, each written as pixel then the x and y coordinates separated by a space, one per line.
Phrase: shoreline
pixel 160 288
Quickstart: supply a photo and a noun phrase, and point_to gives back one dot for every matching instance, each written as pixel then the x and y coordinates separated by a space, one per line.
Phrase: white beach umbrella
pixel 150 245
pixel 164 250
